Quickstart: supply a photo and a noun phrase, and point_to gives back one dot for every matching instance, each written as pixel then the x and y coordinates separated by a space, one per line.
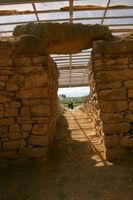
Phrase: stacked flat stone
pixel 28 99
pixel 112 83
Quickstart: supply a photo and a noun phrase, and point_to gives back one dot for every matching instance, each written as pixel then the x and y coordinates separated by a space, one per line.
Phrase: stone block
pixel 4 99
pixel 11 145
pixel 5 62
pixel 131 66
pixel 3 78
pixel 14 128
pixel 7 72
pixel 25 135
pixel 114 47
pixel 113 85
pixel 127 141
pixel 2 84
pixel 129 84
pixel 22 61
pixel 11 87
pixel 3 129
pixel 110 118
pixel 31 102
pixel 14 135
pixel 25 120
pixel 9 154
pixel 65 37
pixel 115 153
pixel 26 128
pixel 98 63
pixel 113 106
pixel 41 120
pixel 130 59
pixel 22 144
pixel 131 106
pixel 7 121
pixel 121 66
pixel 112 94
pixel 26 70
pixel 108 76
pixel 16 79
pixel 13 104
pixel 36 80
pixel 110 61
pixel 11 112
pixel 122 61
pixel 25 111
pixel 40 60
pixel 29 44
pixel 33 93
pixel 40 129
pixel 40 110
pixel 38 140
pixel 130 93
pixel 33 152
pixel 116 128
pixel 111 141
pixel 129 117
pixel 1 107
pixel 2 114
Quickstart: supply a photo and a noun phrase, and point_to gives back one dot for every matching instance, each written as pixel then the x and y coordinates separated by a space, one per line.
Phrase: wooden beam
pixel 35 11
pixel 10 2
pixel 73 85
pixel 73 67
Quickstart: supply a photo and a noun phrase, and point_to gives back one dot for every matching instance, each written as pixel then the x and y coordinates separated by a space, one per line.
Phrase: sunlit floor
pixel 76 169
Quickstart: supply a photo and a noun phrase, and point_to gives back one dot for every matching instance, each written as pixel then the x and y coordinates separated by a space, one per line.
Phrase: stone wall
pixel 112 94
pixel 28 99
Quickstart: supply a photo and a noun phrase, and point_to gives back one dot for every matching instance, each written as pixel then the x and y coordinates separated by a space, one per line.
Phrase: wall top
pixel 123 44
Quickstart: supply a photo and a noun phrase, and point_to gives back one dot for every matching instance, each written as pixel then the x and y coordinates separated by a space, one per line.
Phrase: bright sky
pixel 74 91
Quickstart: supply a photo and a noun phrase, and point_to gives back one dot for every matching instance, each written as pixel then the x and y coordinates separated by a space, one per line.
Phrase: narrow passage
pixel 79 131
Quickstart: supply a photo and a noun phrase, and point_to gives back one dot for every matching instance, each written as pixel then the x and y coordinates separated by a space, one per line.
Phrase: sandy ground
pixel 75 170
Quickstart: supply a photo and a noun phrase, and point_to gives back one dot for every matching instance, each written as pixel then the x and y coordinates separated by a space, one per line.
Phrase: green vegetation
pixel 77 101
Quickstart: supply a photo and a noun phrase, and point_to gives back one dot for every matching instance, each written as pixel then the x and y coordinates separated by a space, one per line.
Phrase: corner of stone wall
pixel 28 99
pixel 112 89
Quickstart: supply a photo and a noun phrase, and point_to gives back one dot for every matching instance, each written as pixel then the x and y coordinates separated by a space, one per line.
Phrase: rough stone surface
pixel 64 38
pixel 28 88
pixel 34 152
pixel 112 94
pixel 111 141
pixel 40 110
pixel 40 129
pixel 127 141
pixel 33 93
pixel 38 140
pixel 110 100
pixel 116 128
pixel 112 117
pixel 113 106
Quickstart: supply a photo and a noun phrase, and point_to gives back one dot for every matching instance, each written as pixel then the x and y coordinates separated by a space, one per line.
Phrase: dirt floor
pixel 75 170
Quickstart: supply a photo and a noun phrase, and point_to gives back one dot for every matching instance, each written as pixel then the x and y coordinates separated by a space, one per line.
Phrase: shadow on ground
pixel 74 170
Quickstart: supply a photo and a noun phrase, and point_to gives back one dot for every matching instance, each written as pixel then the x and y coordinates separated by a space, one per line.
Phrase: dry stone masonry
pixel 29 81
pixel 112 94
pixel 28 99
